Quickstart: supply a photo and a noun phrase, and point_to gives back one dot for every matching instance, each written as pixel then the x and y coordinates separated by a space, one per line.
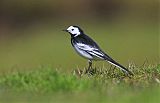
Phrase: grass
pixel 48 84
pixel 46 45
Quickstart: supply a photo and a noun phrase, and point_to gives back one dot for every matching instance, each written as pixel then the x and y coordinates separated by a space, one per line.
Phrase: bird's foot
pixel 90 71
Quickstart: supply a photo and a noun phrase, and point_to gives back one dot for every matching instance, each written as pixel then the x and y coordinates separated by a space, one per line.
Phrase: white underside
pixel 88 52
pixel 83 53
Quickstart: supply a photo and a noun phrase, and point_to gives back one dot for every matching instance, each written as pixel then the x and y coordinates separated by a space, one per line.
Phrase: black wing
pixel 84 42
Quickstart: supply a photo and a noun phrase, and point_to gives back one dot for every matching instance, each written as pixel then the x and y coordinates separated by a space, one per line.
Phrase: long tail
pixel 125 70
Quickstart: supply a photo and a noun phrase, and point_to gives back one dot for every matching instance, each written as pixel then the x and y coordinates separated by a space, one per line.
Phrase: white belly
pixel 83 53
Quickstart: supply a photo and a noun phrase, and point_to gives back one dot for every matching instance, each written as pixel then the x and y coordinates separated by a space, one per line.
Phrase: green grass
pixel 105 85
pixel 21 80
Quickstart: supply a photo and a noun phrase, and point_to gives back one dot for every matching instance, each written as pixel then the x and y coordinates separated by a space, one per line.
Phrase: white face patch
pixel 73 30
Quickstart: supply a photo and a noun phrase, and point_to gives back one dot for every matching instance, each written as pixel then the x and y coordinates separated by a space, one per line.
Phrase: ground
pixel 104 85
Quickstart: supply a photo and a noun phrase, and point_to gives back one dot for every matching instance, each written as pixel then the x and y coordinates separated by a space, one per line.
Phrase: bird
pixel 89 49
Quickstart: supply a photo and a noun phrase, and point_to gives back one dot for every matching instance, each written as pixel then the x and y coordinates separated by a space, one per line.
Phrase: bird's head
pixel 74 30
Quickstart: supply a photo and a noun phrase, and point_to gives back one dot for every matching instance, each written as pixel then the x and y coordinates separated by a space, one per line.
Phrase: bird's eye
pixel 72 29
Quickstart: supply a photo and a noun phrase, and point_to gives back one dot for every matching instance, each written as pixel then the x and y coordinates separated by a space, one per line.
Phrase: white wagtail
pixel 88 48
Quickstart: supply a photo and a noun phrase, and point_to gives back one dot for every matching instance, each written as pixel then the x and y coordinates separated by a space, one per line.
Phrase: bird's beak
pixel 65 30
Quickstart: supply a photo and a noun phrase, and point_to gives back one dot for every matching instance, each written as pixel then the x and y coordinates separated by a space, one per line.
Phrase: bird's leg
pixel 89 67
pixel 90 64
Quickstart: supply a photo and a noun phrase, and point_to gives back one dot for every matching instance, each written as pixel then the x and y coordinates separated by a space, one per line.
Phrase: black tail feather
pixel 125 70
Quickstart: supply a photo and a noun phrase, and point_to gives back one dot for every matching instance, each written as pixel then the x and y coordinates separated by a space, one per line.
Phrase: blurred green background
pixel 31 32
